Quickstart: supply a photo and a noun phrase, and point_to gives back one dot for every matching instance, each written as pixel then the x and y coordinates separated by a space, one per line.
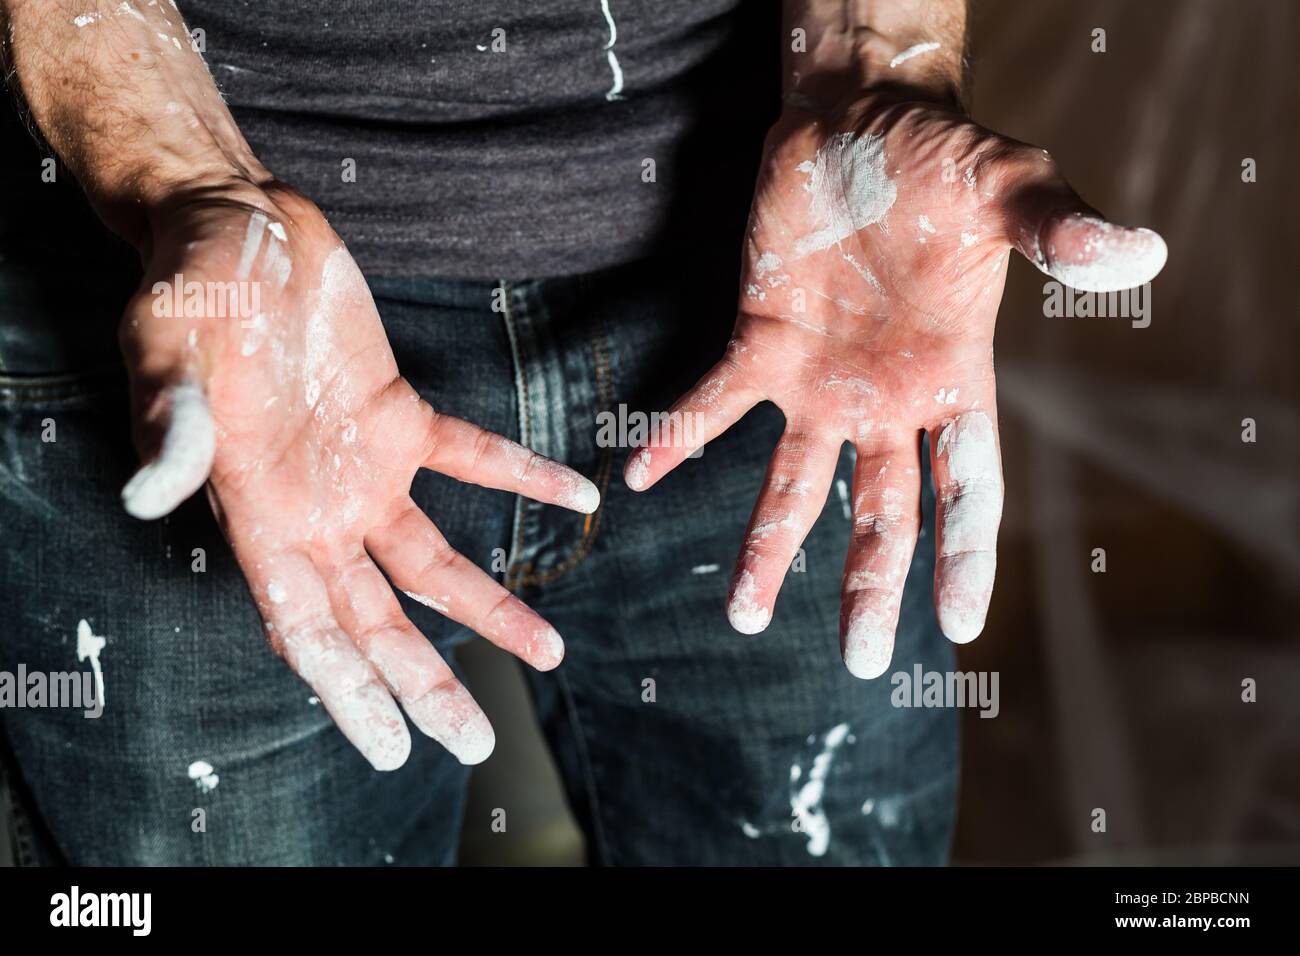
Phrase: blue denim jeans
pixel 679 740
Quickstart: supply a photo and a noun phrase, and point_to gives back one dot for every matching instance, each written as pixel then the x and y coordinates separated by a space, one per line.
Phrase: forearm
pixel 852 47
pixel 120 94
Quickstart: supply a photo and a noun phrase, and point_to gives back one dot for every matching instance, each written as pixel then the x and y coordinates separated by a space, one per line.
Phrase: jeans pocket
pixel 20 391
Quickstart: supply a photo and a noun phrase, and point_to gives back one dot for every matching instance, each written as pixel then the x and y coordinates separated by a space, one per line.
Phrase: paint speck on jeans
pixel 842 489
pixel 705 569
pixel 886 810
pixel 204 777
pixel 749 830
pixel 88 646
pixel 806 801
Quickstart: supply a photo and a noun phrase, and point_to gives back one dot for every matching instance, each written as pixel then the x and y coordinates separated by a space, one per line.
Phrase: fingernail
pixel 963 599
pixel 450 716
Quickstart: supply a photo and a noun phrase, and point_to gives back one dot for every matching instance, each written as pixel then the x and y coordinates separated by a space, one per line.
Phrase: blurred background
pixel 1123 689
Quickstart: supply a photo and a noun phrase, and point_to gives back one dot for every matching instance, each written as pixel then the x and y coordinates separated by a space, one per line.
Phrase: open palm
pixel 309 438
pixel 874 264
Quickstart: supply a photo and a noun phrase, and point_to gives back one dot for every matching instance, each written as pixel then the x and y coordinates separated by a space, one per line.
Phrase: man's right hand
pixel 308 438
pixel 296 417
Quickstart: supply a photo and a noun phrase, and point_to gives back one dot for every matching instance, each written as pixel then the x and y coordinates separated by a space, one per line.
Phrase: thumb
pixel 184 456
pixel 1073 243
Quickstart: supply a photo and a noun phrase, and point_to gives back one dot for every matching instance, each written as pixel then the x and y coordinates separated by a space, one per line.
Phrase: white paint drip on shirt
pixel 616 89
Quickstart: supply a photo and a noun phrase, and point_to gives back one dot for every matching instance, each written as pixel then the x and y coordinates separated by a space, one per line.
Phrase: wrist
pixel 841 52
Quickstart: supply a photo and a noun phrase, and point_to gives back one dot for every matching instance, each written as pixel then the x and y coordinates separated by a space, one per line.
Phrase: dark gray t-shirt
pixel 507 138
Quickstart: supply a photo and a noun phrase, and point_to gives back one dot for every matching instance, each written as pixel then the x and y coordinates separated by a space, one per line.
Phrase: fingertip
pixel 636 473
pixel 585 498
pixel 184 459
pixel 546 649
pixel 960 625
pixel 1088 253
pixel 475 743
pixel 369 718
pixel 141 500
pixel 963 597
pixel 390 754
pixel 868 644
pixel 744 611
pixel 451 716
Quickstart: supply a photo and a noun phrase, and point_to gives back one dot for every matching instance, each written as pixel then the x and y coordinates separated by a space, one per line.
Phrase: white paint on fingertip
pixel 580 495
pixel 744 612
pixel 869 640
pixel 637 472
pixel 184 459
pixel 1101 256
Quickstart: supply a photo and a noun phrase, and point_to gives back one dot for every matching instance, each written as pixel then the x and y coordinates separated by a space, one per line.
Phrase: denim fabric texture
pixel 758 750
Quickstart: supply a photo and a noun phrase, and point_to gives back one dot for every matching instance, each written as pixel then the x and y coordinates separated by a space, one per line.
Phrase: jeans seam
pixel 521 393
pixel 591 526
pixel 20 828
pixel 588 776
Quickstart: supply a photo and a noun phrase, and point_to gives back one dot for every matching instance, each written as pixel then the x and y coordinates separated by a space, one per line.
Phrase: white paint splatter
pixel 438 605
pixel 88 646
pixel 970 506
pixel 850 190
pixel 914 50
pixel 806 801
pixel 205 779
pixel 252 243
pixel 867 274
pixel 616 70
pixel 767 262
